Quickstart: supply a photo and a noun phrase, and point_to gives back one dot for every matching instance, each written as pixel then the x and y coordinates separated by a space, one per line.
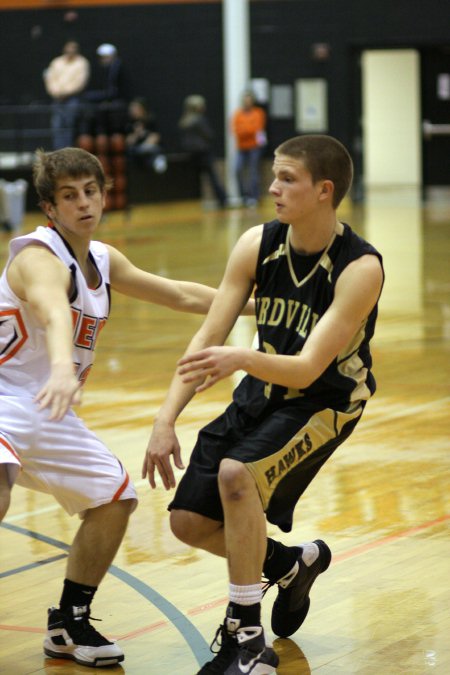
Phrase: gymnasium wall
pixel 172 49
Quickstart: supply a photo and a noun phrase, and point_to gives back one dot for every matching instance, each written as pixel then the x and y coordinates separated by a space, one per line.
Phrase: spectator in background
pixel 143 140
pixel 65 79
pixel 107 114
pixel 248 126
pixel 196 138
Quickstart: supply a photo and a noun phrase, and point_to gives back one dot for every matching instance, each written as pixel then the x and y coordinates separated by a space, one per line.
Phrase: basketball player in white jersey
pixel 54 300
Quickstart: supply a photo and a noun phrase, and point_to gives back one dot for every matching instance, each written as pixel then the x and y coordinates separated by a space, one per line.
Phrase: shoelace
pixel 266 584
pixel 85 633
pixel 226 649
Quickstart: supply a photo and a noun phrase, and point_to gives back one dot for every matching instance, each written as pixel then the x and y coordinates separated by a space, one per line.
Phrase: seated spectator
pixel 143 139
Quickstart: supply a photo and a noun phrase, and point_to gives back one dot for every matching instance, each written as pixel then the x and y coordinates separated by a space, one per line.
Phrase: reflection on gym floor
pixel 382 502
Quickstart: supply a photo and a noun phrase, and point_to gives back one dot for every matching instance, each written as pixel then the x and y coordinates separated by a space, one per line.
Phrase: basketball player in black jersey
pixel 317 286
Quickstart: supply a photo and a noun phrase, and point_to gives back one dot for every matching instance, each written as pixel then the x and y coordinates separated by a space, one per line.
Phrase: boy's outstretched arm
pixel 231 297
pixel 184 296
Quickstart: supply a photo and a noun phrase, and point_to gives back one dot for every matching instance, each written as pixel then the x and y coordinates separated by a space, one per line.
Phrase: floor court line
pixel 339 558
pixel 31 566
pixel 351 553
pixel 193 638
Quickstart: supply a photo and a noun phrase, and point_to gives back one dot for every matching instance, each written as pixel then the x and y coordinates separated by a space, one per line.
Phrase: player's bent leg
pixel 245 524
pixel 241 640
pixel 97 540
pixel 198 531
pixel 70 634
pixel 5 491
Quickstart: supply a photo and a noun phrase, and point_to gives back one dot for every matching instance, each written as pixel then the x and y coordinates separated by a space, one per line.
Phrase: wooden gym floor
pixel 382 502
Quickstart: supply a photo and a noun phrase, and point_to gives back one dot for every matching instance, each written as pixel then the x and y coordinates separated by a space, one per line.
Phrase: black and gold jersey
pixel 292 294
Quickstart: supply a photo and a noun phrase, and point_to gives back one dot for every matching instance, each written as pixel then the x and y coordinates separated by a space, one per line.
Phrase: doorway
pixel 435 79
pixel 401 122
pixel 391 118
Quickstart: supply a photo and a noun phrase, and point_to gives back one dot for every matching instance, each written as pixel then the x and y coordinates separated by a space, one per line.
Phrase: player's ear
pixel 48 209
pixel 327 189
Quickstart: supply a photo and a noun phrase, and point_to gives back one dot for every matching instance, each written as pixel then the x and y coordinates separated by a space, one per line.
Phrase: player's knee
pixel 187 527
pixel 234 480
pixel 128 505
pixel 181 526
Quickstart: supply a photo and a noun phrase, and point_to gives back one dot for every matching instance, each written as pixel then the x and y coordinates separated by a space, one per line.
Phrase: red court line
pixel 352 553
pixel 141 631
pixel 358 550
pixel 22 629
pixel 340 557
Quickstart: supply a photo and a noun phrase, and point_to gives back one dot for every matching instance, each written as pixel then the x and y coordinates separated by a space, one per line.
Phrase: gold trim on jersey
pixel 350 364
pixel 324 261
pixel 281 250
pixel 321 428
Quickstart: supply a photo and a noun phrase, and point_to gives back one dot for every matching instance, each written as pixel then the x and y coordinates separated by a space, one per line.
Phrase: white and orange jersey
pixel 24 362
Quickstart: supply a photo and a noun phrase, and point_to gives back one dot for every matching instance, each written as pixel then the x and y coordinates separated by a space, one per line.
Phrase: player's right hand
pixel 163 443
pixel 60 392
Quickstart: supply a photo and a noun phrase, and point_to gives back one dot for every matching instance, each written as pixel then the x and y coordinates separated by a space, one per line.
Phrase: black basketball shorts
pixel 283 451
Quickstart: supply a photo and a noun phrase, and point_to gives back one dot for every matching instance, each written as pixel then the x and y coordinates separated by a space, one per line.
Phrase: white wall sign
pixel 311 98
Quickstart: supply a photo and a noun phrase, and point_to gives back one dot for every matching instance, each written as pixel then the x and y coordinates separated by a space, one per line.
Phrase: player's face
pixel 295 195
pixel 78 206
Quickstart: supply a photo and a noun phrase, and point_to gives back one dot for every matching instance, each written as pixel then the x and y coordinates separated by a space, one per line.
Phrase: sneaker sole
pixel 97 663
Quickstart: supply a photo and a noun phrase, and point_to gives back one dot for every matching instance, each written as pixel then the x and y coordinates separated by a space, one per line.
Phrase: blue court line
pixel 33 565
pixel 193 637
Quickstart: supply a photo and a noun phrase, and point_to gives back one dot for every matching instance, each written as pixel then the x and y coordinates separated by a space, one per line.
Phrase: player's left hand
pixel 213 364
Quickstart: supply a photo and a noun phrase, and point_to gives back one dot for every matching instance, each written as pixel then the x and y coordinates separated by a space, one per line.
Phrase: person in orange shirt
pixel 248 125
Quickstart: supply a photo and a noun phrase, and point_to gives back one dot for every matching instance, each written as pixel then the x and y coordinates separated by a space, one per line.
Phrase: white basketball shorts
pixel 64 459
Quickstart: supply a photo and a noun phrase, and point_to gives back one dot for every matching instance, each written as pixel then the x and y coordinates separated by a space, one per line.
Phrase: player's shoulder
pixel 100 248
pixel 357 243
pixel 251 239
pixel 41 236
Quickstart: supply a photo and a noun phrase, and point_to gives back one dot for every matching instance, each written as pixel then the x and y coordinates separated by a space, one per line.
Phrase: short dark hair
pixel 49 167
pixel 325 158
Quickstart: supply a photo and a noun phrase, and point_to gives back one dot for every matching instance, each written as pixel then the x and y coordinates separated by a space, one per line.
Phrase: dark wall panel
pixel 169 52
pixel 173 50
pixel 284 32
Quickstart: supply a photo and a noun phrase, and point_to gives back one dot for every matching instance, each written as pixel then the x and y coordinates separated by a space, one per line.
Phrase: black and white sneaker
pixel 292 602
pixel 71 636
pixel 242 650
pixel 225 641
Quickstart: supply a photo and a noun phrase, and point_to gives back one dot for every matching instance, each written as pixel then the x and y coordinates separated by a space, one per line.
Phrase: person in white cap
pixel 111 65
pixel 108 91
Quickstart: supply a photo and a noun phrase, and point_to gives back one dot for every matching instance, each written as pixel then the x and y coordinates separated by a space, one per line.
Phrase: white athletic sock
pixel 246 595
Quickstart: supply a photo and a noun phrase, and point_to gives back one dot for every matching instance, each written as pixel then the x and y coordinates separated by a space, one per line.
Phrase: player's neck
pixel 309 238
pixel 78 244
